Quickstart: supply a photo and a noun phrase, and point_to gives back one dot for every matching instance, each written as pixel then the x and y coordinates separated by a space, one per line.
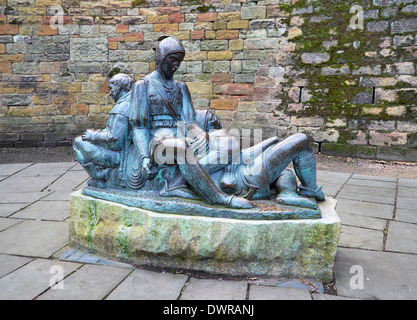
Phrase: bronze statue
pixel 157 145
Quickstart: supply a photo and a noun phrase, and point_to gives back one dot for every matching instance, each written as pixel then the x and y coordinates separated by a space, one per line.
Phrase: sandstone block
pixel 224 104
pixel 315 58
pixel 234 89
pixel 88 50
pixel 301 248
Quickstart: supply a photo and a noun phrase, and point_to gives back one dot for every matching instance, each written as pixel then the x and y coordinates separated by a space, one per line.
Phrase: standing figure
pixel 99 152
pixel 162 116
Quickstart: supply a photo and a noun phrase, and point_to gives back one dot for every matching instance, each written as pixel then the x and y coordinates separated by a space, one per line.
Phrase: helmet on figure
pixel 167 45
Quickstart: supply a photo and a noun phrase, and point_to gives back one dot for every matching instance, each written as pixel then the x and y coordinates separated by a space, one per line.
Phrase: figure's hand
pixel 88 135
pixel 199 145
pixel 147 169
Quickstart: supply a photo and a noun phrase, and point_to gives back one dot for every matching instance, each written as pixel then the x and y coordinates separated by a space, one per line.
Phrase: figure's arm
pixel 192 129
pixel 113 137
pixel 138 117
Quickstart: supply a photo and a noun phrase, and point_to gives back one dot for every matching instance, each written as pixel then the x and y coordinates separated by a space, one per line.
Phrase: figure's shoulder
pixel 122 106
pixel 140 83
pixel 182 85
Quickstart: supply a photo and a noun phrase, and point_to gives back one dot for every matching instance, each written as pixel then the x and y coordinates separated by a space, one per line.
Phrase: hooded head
pixel 167 45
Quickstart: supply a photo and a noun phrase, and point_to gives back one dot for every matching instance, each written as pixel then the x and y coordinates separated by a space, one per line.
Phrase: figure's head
pixel 169 55
pixel 120 83
pixel 207 121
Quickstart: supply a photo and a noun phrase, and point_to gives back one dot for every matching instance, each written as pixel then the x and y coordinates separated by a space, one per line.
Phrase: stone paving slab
pixel 7 209
pixel 10 263
pixel 68 181
pixel 371 182
pixel 351 188
pixel 386 275
pixel 361 238
pixel 404 192
pixel 45 169
pixel 406 215
pixel 373 178
pixel 387 199
pixel 408 183
pixel 355 220
pixel 274 293
pixel 34 238
pixel 32 279
pixel 377 210
pixel 12 168
pixel 59 195
pixel 6 223
pixel 407 203
pixel 148 285
pixel 325 297
pixel 327 177
pixel 367 205
pixel 402 237
pixel 214 290
pixel 19 184
pixel 21 197
pixel 45 210
pixel 90 282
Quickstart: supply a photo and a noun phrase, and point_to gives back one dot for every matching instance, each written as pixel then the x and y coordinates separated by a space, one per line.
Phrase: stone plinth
pixel 293 248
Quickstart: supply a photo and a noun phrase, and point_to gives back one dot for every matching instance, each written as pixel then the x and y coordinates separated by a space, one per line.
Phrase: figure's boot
pixel 287 192
pixel 205 186
pixel 98 175
pixel 305 168
pixel 176 187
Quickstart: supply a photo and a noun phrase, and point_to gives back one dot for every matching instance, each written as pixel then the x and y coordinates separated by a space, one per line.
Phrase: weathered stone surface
pixel 16 99
pixel 95 39
pixel 404 25
pixel 386 275
pixel 34 238
pixel 289 247
pixel 214 290
pixel 146 285
pixel 88 50
pixel 315 58
pixel 90 282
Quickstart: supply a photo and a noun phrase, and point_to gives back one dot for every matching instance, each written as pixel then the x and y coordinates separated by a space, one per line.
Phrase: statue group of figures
pixel 154 141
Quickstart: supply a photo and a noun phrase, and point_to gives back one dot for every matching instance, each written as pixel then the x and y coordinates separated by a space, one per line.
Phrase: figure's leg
pixel 175 186
pixel 96 154
pixel 296 148
pixel 253 152
pixel 83 150
pixel 199 179
pixel 287 192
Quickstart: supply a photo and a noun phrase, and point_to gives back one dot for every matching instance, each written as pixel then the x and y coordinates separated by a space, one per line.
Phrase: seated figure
pixel 102 152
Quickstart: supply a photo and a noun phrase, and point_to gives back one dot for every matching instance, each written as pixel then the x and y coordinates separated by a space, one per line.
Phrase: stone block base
pixel 284 248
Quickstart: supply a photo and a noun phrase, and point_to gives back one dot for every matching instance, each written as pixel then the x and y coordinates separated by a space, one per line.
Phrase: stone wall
pixel 283 66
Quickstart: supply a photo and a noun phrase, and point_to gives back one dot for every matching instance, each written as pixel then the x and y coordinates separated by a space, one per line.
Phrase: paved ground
pixel 376 259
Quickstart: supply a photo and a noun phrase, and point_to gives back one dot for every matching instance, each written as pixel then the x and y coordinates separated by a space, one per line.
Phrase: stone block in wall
pixel 381 125
pixel 387 139
pixel 253 12
pixel 88 50
pixel 16 99
pixel 396 154
pixel 338 149
pixel 377 26
pixel 366 152
pixel 404 25
pixel 315 57
pixel 335 70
